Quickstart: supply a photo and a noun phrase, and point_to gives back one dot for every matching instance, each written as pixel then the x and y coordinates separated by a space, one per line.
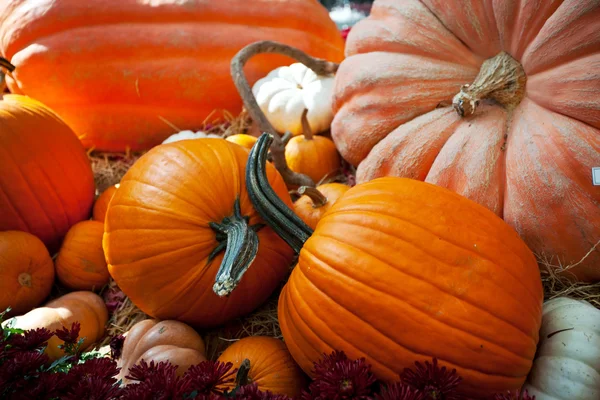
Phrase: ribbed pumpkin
pixel 131 69
pixel 181 228
pixel 272 367
pixel 400 271
pixel 26 272
pixel 315 202
pixel 158 341
pixel 526 152
pixel 81 264
pixel 87 308
pixel 46 180
pixel 101 203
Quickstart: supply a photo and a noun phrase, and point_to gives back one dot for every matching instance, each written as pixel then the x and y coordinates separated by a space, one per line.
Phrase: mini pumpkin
pixel 182 239
pixel 567 364
pixel 158 341
pixel 286 92
pixel 84 307
pixel 399 269
pixel 81 264
pixel 246 141
pixel 271 366
pixel 26 272
pixel 315 202
pixel 101 204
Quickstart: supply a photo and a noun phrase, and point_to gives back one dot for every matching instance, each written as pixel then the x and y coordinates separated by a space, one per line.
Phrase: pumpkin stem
pixel 320 67
pixel 317 198
pixel 266 202
pixel 240 242
pixel 9 67
pixel 241 378
pixel 306 130
pixel 501 78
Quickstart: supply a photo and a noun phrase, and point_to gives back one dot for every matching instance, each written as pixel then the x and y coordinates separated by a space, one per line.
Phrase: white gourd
pixel 286 91
pixel 567 363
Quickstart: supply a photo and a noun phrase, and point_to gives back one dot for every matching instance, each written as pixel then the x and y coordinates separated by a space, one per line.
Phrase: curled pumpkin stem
pixel 317 198
pixel 266 202
pixel 501 78
pixel 240 242
pixel 320 67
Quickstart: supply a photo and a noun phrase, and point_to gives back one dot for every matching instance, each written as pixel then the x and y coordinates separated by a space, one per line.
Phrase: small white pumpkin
pixel 567 363
pixel 185 135
pixel 286 91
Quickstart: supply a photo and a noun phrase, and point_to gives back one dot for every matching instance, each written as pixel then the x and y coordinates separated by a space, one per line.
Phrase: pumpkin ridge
pixel 409 305
pixel 15 211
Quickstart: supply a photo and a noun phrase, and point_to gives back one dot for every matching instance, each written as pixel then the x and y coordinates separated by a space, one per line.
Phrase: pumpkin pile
pixel 399 195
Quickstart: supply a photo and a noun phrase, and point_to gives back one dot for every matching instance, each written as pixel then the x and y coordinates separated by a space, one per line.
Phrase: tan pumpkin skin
pixel 531 166
pixel 101 204
pixel 246 141
pixel 316 157
pixel 306 210
pixel 84 307
pixel 272 367
pixel 26 272
pixel 81 264
pixel 153 340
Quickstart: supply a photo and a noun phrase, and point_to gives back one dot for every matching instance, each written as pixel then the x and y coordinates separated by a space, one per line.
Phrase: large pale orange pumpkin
pixel 26 272
pixel 527 156
pixel 87 308
pixel 46 180
pixel 130 70
pixel 181 229
pixel 399 271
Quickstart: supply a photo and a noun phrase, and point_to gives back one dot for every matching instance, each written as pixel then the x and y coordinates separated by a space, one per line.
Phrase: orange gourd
pixel 81 264
pixel 181 233
pixel 46 184
pixel 521 139
pixel 26 272
pixel 161 341
pixel 87 308
pixel 272 367
pixel 101 204
pixel 315 202
pixel 130 70
pixel 246 141
pixel 312 155
pixel 399 271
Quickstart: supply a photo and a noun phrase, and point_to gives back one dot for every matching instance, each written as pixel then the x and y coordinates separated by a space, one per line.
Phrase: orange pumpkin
pixel 158 341
pixel 87 308
pixel 81 264
pixel 26 272
pixel 46 184
pixel 101 204
pixel 314 156
pixel 398 271
pixel 129 66
pixel 181 233
pixel 314 203
pixel 246 141
pixel 272 367
pixel 527 131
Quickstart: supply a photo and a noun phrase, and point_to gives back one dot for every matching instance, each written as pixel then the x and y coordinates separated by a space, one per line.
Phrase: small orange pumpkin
pixel 151 340
pixel 246 141
pixel 315 156
pixel 272 367
pixel 101 204
pixel 26 272
pixel 316 202
pixel 84 307
pixel 81 263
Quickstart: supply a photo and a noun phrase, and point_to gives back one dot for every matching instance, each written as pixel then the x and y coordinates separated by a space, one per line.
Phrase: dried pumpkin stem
pixel 306 130
pixel 501 78
pixel 240 242
pixel 4 63
pixel 320 67
pixel 317 198
pixel 241 378
pixel 266 202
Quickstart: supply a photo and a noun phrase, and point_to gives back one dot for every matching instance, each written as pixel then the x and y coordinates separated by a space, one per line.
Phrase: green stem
pixel 241 378
pixel 266 202
pixel 6 64
pixel 240 242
